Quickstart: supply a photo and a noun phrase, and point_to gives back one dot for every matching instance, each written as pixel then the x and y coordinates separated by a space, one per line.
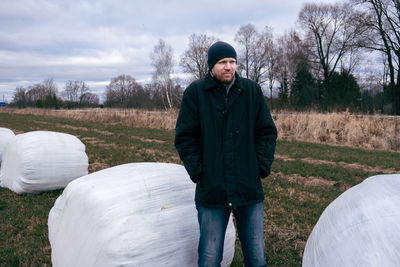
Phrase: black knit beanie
pixel 218 51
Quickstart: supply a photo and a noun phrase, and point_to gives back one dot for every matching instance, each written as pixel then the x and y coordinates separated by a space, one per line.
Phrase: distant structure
pixel 2 103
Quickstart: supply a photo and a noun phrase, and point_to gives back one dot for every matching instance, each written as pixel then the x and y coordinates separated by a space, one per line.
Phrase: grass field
pixel 305 178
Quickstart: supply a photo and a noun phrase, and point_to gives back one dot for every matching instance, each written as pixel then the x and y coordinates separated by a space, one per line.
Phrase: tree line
pixel 317 66
pixel 45 95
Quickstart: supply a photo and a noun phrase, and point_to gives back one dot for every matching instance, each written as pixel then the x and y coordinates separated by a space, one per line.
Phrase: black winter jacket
pixel 226 142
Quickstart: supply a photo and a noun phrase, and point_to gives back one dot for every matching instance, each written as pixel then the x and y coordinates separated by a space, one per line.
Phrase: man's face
pixel 224 70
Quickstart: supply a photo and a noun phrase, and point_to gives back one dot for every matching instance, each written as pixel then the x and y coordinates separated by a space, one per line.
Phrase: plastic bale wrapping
pixel 360 228
pixel 136 214
pixel 41 160
pixel 6 136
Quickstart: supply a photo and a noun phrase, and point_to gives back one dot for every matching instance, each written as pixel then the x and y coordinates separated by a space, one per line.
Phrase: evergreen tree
pixel 303 89
pixel 343 92
pixel 367 102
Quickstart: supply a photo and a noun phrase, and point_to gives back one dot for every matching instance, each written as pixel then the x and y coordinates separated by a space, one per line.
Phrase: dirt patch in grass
pixel 102 132
pixel 42 122
pixel 75 128
pixel 310 181
pixel 66 126
pixel 358 166
pixel 92 140
pixel 97 142
pixel 63 126
pixel 349 166
pixel 113 146
pixel 79 128
pixel 97 166
pixel 146 140
pixel 175 159
pixel 158 154
pixel 284 157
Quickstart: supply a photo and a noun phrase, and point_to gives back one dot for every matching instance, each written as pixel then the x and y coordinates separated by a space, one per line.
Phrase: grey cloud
pixel 95 40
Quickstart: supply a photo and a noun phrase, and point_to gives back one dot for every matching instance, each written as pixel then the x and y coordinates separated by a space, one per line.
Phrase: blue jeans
pixel 250 227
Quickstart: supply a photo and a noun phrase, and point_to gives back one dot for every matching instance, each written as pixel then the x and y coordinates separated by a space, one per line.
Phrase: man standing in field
pixel 226 138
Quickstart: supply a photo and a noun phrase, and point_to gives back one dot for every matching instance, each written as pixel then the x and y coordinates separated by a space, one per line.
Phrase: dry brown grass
pixel 134 117
pixel 377 132
pixel 309 181
pixel 345 129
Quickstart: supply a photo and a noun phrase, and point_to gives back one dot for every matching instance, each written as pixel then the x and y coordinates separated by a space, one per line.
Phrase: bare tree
pixel 49 87
pixel 258 57
pixel 35 93
pixel 162 61
pixel 331 32
pixel 384 21
pixel 42 94
pixel 292 51
pixel 19 98
pixel 120 90
pixel 75 92
pixel 263 58
pixel 267 60
pixel 194 59
pixel 89 99
pixel 246 37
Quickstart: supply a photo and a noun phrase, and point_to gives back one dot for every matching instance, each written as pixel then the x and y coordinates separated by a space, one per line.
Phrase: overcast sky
pixel 96 40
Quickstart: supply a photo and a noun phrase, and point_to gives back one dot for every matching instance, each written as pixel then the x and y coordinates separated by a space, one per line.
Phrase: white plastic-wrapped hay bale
pixel 137 214
pixel 359 228
pixel 6 136
pixel 41 160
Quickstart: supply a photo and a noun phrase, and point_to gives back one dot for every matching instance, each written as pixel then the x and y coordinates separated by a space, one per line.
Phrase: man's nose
pixel 228 65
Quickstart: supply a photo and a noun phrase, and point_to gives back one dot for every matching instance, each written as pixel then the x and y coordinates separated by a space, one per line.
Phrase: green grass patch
pixel 296 193
pixel 371 158
pixel 328 172
pixel 23 224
